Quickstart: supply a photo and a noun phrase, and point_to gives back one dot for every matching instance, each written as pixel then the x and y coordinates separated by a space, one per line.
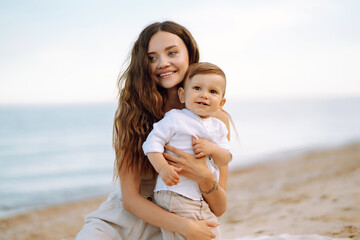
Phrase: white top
pixel 176 129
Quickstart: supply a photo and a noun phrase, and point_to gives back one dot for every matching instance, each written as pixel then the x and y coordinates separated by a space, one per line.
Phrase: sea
pixel 53 154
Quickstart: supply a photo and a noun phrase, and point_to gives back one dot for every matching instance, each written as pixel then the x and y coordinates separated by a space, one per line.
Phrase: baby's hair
pixel 207 68
pixel 203 68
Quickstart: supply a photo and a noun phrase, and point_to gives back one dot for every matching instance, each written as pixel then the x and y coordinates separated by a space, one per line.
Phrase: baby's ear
pixel 222 102
pixel 181 94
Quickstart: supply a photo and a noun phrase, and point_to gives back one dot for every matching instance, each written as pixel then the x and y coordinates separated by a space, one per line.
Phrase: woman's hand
pixel 199 230
pixel 192 168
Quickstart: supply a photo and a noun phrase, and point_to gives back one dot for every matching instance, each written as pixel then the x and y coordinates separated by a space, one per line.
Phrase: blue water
pixel 54 154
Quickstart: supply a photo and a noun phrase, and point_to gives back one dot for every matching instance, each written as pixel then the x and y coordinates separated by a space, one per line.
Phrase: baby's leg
pixel 165 200
pixel 185 207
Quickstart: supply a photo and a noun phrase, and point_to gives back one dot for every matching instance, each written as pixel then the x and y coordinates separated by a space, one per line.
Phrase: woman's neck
pixel 173 101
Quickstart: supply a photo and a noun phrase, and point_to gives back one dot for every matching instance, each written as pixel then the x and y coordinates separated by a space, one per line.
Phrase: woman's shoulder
pixel 222 115
pixel 224 118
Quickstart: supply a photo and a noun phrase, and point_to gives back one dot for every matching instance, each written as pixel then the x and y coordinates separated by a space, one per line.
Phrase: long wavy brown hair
pixel 141 100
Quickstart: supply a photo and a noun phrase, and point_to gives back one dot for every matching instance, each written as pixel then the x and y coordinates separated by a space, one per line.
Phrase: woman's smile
pixel 166 74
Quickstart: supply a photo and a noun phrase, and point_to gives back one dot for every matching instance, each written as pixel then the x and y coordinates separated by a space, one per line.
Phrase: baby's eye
pixel 196 88
pixel 213 91
pixel 152 58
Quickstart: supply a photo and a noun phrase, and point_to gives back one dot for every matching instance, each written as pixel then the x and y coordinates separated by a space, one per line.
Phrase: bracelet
pixel 214 187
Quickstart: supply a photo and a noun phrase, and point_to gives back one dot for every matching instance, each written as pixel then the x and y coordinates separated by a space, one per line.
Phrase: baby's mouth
pixel 203 103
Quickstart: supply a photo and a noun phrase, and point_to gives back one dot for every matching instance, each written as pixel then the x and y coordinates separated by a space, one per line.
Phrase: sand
pixel 317 193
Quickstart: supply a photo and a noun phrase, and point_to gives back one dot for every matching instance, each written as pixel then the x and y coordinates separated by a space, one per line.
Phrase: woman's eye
pixel 152 58
pixel 172 53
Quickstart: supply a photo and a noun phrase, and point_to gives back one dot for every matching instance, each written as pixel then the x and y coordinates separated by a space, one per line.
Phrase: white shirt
pixel 176 129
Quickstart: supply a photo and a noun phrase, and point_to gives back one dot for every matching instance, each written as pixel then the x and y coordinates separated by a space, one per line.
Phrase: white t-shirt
pixel 176 129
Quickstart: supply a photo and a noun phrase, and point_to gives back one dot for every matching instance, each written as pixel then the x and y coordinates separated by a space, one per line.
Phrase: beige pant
pixel 185 207
pixel 112 222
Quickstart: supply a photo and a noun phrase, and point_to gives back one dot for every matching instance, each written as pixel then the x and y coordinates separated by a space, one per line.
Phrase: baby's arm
pixel 202 148
pixel 167 172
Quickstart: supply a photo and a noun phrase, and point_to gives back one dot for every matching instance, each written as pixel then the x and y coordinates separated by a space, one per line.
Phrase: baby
pixel 192 130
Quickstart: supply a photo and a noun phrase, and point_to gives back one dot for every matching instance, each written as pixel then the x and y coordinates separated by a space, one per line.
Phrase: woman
pixel 148 89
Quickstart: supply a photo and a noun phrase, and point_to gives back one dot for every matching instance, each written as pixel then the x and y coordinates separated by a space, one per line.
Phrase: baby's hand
pixel 202 147
pixel 169 174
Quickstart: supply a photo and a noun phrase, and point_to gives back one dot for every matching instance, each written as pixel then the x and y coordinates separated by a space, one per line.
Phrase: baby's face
pixel 203 94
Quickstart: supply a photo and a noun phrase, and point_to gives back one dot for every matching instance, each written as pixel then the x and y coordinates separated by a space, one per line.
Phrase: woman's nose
pixel 163 62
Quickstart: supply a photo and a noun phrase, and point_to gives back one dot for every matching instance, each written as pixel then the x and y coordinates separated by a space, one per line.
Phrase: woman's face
pixel 169 59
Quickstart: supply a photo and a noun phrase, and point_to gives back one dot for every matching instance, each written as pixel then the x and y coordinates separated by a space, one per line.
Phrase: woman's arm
pixel 219 197
pixel 149 212
pixel 215 193
pixel 197 170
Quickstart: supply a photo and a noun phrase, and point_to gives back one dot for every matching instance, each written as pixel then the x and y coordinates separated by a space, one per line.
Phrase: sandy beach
pixel 316 193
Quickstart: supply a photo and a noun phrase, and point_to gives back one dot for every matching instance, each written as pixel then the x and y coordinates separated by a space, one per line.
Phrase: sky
pixel 72 51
